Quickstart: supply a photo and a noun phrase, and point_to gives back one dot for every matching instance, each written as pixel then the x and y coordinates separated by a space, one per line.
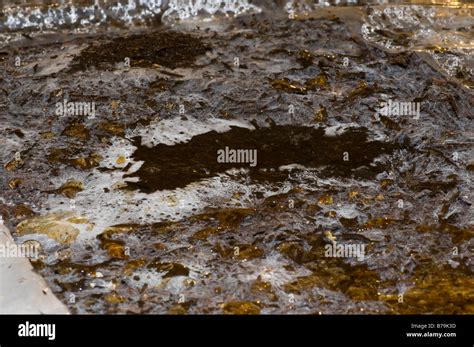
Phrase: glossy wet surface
pixel 136 215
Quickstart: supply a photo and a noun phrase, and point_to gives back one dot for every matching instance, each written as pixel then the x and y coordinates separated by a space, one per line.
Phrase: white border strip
pixel 22 290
